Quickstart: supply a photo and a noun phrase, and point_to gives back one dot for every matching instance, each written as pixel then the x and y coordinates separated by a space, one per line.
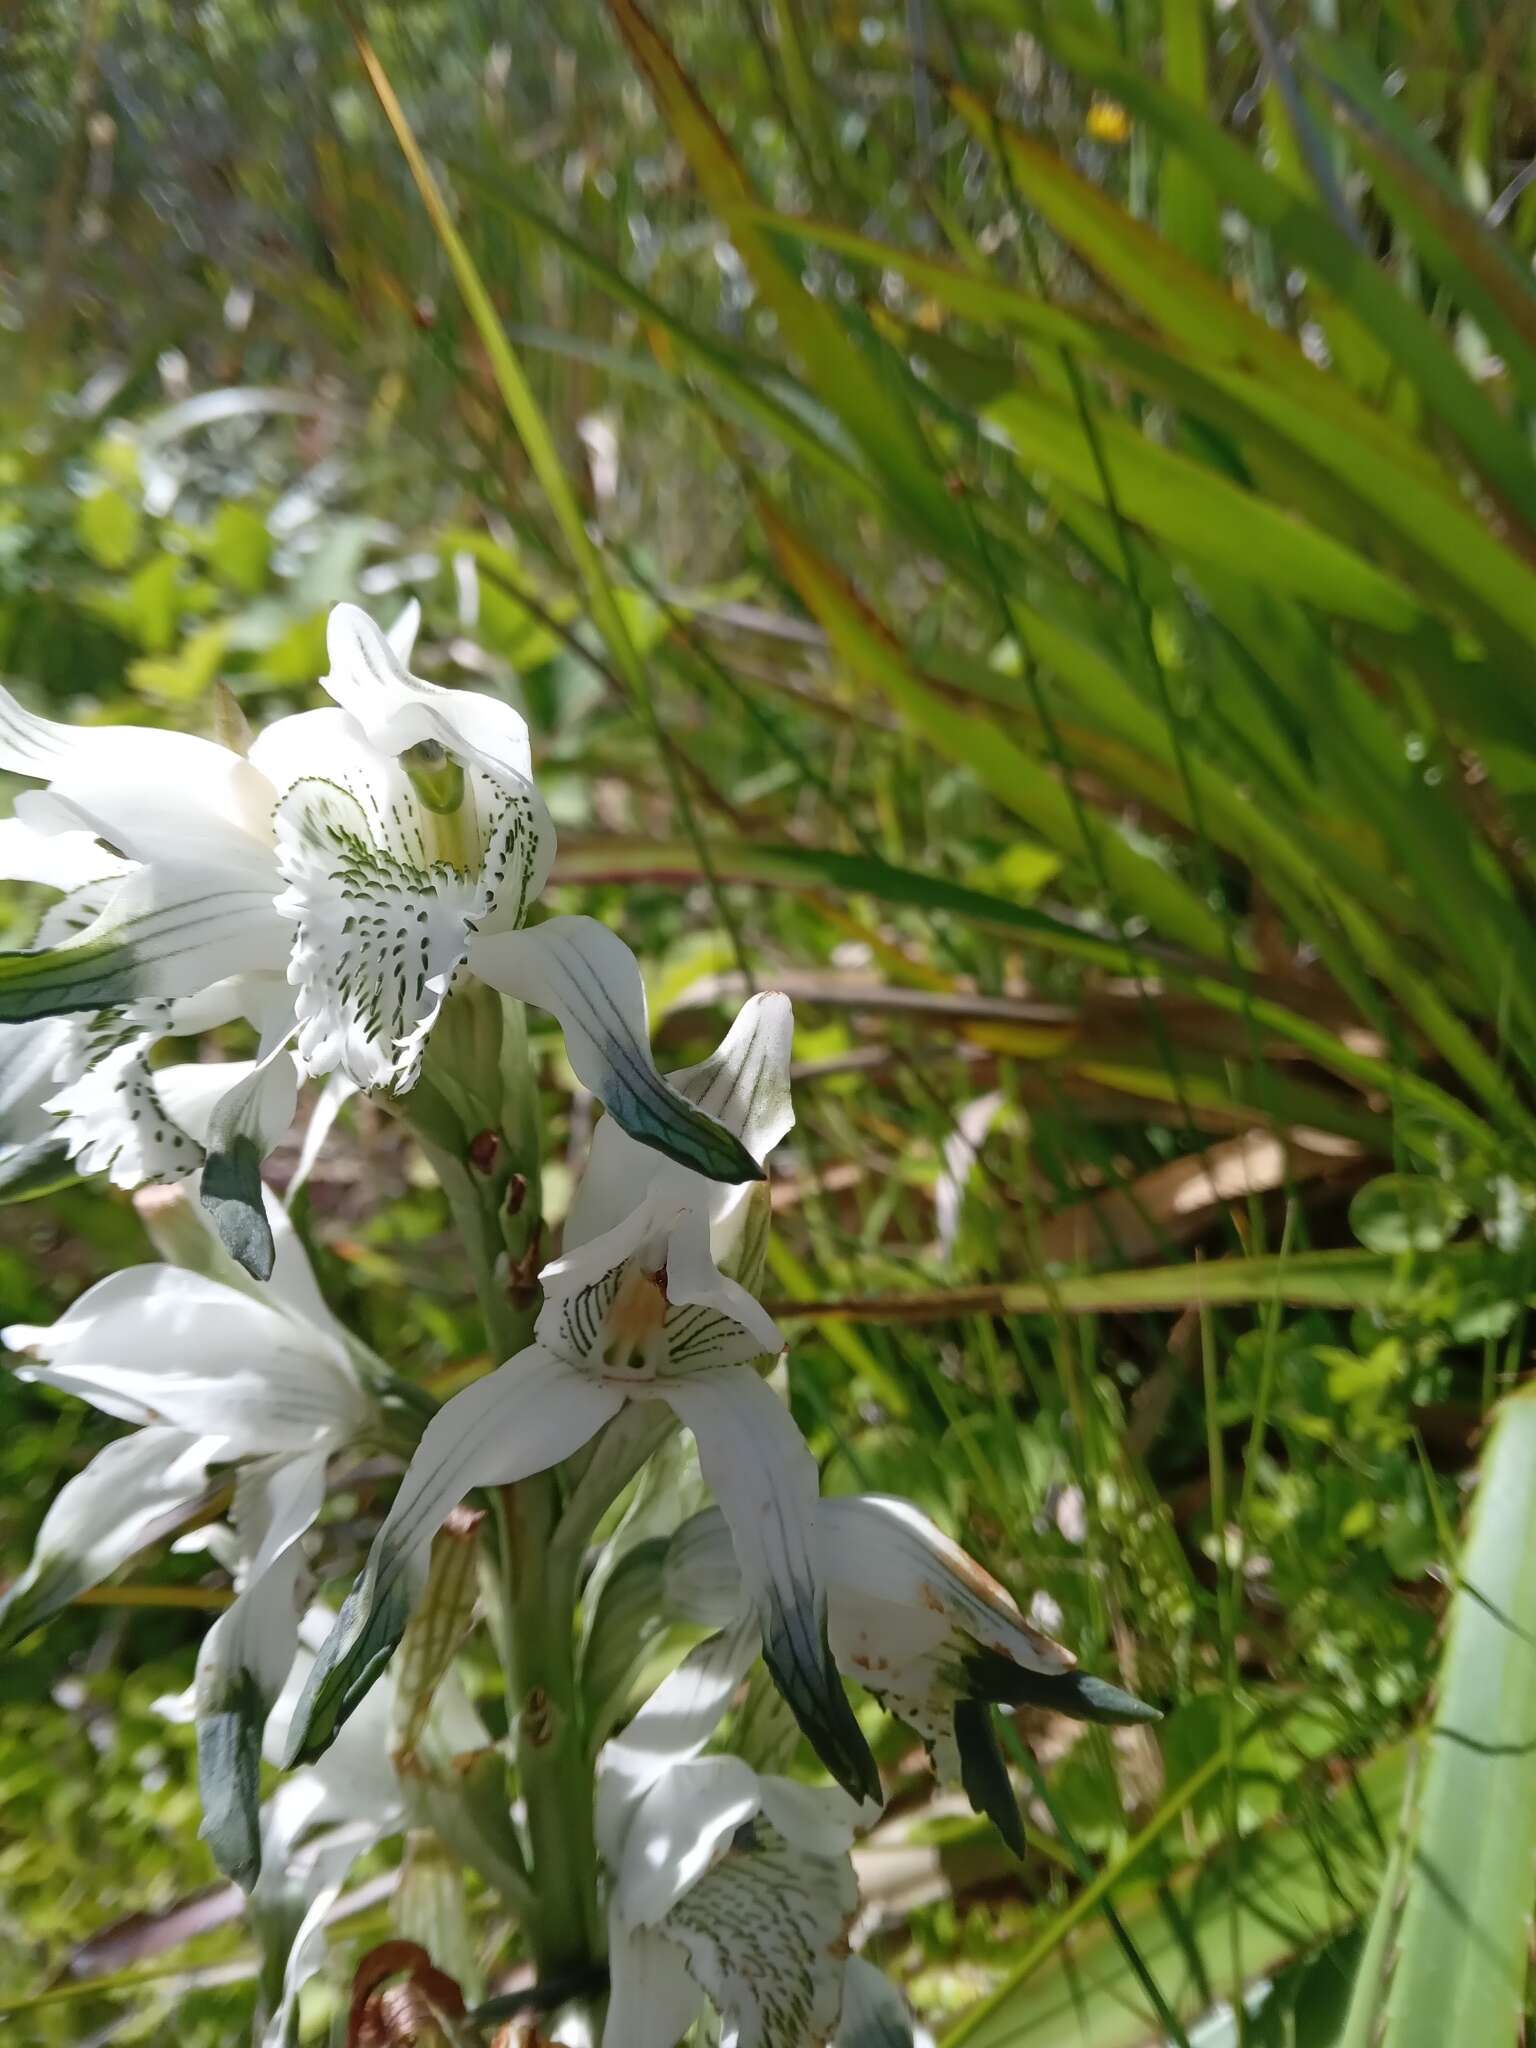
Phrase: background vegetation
pixel 1067 479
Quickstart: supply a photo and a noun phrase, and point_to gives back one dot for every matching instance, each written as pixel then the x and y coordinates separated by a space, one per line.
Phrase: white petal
pixel 118 1116
pixel 246 1655
pixel 30 1140
pixel 875 2015
pixel 102 1517
pixel 323 1871
pixel 382 922
pixel 398 710
pixel 588 979
pixel 673 1726
pixel 167 930
pixel 402 634
pixel 523 1418
pixel 701 1578
pixel 745 1086
pixel 329 1103
pixel 820 1819
pixel 765 1933
pixel 59 860
pixel 156 1344
pixel 308 743
pixel 681 1826
pixel 75 911
pixel 903 1589
pixel 148 793
pixel 694 1280
pixel 193 1091
pixel 182 1232
pixel 605 1310
pixel 355 1779
pixel 760 1470
pixel 652 2000
pixel 744 1083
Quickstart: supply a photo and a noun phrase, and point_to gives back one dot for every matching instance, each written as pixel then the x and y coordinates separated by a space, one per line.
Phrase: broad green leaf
pixel 1448 1954
pixel 1403 1212
pixel 239 546
pixel 187 674
pixel 109 525
pixel 150 604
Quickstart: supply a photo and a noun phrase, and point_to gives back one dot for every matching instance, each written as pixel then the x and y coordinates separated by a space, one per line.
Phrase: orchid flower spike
pixel 638 1310
pixel 328 885
pixel 920 1625
pixel 727 1887
pixel 217 1374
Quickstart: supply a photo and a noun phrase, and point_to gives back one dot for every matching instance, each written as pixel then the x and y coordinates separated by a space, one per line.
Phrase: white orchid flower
pixel 217 1374
pixel 637 1310
pixel 919 1624
pixel 728 1887
pixel 78 1089
pixel 333 881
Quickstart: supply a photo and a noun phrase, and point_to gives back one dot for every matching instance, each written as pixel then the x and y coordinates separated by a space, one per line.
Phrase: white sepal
pixel 170 929
pixel 587 978
pixel 127 1493
pixel 528 1415
pixel 245 1657
pixel 59 860
pixel 150 794
pixel 369 680
pixel 744 1085
pixel 156 1344
pixel 875 2015
pixel 760 1470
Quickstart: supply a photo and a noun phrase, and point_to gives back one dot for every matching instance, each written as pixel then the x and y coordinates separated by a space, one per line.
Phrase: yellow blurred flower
pixel 1108 121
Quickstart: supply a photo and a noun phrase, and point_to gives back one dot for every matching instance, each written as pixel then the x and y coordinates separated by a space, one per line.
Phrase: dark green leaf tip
pixel 232 1194
pixel 984 1774
pixel 1072 1693
pixel 229 1780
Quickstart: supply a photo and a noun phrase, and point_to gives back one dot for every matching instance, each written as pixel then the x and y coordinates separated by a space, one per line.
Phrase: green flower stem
pixel 476 1119
pixel 554 1771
